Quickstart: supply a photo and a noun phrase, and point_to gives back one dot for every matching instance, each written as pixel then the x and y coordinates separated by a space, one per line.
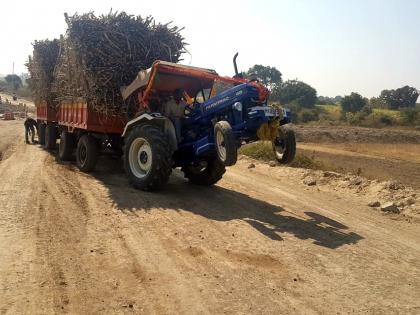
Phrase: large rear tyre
pixel 207 173
pixel 224 138
pixel 284 146
pixel 87 153
pixel 50 137
pixel 147 158
pixel 41 133
pixel 66 146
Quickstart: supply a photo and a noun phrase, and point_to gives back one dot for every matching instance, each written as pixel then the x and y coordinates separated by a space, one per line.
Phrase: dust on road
pixel 259 242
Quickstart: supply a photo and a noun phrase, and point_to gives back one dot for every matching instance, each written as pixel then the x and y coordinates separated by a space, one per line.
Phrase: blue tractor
pixel 194 119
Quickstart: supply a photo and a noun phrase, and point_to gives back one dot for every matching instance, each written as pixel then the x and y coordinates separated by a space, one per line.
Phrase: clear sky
pixel 335 46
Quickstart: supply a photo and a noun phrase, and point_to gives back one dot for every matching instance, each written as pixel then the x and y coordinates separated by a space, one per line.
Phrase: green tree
pixel 353 103
pixel 13 81
pixel 376 102
pixel 294 91
pixel 270 76
pixel 405 96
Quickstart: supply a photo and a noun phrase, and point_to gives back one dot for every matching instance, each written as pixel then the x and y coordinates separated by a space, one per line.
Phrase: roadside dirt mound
pixel 340 134
pixel 388 196
pixel 384 162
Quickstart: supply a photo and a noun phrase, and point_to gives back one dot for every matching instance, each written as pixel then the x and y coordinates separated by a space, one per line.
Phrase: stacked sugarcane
pixel 99 55
pixel 41 69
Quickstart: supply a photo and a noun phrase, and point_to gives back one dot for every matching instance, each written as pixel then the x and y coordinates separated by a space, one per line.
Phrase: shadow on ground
pixel 217 203
pixel 220 204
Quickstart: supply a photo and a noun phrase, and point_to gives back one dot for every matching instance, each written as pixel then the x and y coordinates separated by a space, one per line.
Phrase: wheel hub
pixel 140 157
pixel 221 148
pixel 143 157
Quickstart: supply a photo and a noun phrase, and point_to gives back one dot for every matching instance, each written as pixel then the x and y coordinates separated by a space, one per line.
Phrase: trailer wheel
pixel 207 173
pixel 284 146
pixel 66 146
pixel 50 137
pixel 147 158
pixel 87 153
pixel 41 133
pixel 224 138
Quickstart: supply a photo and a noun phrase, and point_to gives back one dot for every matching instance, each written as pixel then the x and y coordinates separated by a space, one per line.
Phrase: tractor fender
pixel 162 122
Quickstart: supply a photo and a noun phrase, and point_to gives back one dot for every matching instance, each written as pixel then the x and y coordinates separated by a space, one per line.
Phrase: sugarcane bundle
pixel 101 54
pixel 41 69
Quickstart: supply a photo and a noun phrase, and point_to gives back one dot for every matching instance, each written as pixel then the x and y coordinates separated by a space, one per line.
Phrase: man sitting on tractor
pixel 174 109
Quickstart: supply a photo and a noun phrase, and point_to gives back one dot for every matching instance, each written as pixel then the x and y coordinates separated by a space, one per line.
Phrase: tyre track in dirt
pixel 259 242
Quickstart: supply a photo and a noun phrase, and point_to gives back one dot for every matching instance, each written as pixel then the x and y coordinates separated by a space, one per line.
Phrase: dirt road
pixel 260 242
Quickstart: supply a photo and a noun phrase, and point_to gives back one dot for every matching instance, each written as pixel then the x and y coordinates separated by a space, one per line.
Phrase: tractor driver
pixel 174 109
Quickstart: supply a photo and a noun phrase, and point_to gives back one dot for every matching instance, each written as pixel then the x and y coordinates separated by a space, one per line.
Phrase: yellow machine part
pixel 269 131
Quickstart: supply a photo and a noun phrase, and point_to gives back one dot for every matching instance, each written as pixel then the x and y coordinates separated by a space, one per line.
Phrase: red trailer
pixel 77 116
pixel 79 128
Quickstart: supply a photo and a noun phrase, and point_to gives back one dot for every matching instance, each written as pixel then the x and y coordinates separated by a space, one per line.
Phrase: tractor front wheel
pixel 224 138
pixel 284 146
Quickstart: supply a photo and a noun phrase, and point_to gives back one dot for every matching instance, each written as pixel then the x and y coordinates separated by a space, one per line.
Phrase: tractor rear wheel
pixel 284 146
pixel 50 137
pixel 224 138
pixel 41 133
pixel 87 153
pixel 207 173
pixel 66 146
pixel 147 157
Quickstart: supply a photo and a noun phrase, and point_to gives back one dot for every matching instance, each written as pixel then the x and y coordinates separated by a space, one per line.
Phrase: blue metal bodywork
pixel 240 106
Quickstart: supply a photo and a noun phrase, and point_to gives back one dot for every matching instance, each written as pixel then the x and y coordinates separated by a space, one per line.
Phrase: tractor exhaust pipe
pixel 237 75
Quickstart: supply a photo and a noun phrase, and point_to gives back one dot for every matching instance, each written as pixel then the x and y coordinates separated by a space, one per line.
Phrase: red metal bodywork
pixel 78 115
pixel 166 77
pixel 45 113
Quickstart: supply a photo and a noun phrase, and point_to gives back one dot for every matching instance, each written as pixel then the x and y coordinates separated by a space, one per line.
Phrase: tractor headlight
pixel 237 106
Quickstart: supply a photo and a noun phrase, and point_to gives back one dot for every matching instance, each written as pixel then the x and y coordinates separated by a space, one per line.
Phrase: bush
pixel 410 116
pixel 386 120
pixel 366 111
pixel 307 115
pixel 378 119
pixel 353 103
